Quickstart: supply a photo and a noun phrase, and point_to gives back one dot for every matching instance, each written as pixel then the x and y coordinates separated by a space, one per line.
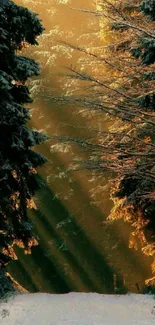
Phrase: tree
pixel 18 176
pixel 124 90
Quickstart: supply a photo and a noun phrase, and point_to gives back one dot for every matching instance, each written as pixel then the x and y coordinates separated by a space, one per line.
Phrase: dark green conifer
pixel 148 7
pixel 18 160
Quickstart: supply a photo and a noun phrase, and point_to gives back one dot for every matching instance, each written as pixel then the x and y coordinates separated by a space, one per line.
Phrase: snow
pixel 78 309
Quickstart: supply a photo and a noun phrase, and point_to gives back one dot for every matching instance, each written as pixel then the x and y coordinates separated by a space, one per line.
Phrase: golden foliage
pixel 133 242
pixel 9 251
pixel 27 249
pixel 16 200
pixel 32 242
pixel 150 281
pixel 19 243
pixel 153 266
pixel 31 204
pixel 149 249
pixel 16 285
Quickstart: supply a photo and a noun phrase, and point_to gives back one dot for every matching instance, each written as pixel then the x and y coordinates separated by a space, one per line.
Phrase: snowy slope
pixel 78 309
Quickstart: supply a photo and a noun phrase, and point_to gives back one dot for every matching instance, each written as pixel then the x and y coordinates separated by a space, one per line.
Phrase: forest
pixel 77 177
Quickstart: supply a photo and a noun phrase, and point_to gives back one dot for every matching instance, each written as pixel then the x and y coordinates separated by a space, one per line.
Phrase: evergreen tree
pixel 18 161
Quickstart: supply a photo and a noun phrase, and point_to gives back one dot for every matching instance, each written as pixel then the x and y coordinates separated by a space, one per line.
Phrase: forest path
pixel 78 309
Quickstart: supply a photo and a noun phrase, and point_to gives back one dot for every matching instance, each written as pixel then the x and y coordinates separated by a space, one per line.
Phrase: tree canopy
pixel 124 91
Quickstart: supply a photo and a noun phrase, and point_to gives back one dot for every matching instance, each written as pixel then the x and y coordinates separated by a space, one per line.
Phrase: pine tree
pixel 148 7
pixel 19 27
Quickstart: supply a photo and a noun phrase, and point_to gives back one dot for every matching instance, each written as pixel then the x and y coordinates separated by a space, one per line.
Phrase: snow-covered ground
pixel 78 309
